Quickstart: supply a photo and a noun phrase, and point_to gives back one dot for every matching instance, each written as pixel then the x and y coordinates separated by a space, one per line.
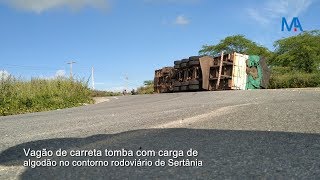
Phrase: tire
pixel 177 84
pixel 185 83
pixel 177 62
pixel 184 60
pixel 192 58
pixel 194 63
pixel 176 89
pixel 162 91
pixel 183 65
pixel 184 88
pixel 194 87
pixel 194 82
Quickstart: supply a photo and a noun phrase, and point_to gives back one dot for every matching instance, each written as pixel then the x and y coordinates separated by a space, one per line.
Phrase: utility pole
pixel 71 62
pixel 92 77
pixel 126 82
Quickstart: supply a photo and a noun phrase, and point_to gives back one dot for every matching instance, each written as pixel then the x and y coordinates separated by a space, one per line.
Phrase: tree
pixel 147 88
pixel 148 82
pixel 301 52
pixel 236 43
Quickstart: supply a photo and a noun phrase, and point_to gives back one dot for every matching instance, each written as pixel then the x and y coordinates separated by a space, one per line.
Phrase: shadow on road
pixel 225 154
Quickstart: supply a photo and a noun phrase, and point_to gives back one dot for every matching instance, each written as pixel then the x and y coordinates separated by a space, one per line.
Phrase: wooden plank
pixel 205 63
pixel 220 69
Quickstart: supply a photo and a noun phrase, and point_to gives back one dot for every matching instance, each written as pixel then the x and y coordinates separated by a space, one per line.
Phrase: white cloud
pixel 40 6
pixel 273 9
pixel 254 14
pixel 60 73
pixel 181 20
pixel 4 74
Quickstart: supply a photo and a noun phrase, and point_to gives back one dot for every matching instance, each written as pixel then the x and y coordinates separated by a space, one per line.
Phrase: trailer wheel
pixel 194 87
pixel 177 83
pixel 163 91
pixel 185 83
pixel 176 89
pixel 183 65
pixel 184 60
pixel 194 82
pixel 184 88
pixel 177 62
pixel 194 63
pixel 194 57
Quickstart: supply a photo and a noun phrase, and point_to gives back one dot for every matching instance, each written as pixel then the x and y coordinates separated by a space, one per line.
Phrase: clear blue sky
pixel 133 38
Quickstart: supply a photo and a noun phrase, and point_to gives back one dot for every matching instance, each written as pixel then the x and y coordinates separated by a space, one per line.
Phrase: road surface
pixel 237 134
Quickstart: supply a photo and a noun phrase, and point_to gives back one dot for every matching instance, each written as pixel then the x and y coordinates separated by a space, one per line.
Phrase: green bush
pixel 98 93
pixel 18 96
pixel 147 89
pixel 294 79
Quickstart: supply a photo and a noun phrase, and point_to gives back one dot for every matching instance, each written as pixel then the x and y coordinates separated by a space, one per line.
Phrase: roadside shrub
pixel 98 93
pixel 294 80
pixel 18 96
pixel 147 89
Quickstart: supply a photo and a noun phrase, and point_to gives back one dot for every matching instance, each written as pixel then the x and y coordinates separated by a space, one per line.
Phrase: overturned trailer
pixel 232 71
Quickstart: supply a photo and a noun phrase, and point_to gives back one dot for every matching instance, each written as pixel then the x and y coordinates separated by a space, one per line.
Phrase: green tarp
pixel 254 74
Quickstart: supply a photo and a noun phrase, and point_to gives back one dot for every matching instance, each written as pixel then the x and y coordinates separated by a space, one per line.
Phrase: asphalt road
pixel 238 134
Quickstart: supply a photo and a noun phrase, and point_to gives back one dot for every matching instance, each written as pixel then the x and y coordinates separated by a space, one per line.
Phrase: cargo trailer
pixel 230 71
